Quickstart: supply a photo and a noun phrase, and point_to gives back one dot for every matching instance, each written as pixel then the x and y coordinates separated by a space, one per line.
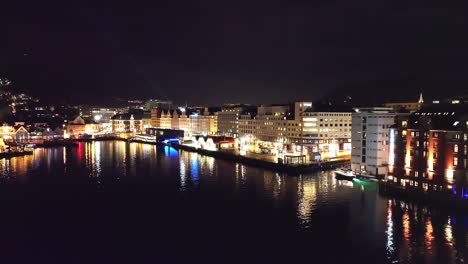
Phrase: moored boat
pixel 344 174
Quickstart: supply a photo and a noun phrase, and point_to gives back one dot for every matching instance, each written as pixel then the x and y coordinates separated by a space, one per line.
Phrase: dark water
pixel 113 202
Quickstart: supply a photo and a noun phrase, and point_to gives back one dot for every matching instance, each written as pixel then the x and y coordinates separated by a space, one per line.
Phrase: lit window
pixel 455 161
pixel 455 148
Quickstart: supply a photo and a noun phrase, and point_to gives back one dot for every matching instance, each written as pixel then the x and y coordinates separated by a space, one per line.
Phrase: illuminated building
pixel 370 140
pixel 296 128
pixel 21 135
pixel 431 149
pixel 127 124
pixel 180 120
pixel 408 106
pixel 80 126
pixel 103 116
pixel 328 133
pixel 205 123
pixel 160 118
pixel 228 119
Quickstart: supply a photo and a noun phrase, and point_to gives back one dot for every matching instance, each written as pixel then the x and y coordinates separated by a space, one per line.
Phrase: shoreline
pixel 279 167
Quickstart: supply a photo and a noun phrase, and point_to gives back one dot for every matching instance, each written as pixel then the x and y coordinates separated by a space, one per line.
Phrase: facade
pixel 228 119
pixel 296 128
pixel 203 124
pixel 103 116
pixel 126 124
pixel 180 120
pixel 328 133
pixel 370 140
pixel 429 150
pixel 79 126
pixel 160 118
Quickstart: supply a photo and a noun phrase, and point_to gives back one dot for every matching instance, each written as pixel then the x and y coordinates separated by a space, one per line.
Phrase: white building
pixel 297 128
pixel 370 140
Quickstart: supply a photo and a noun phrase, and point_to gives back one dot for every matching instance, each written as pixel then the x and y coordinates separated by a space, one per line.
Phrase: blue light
pixel 464 195
pixel 171 140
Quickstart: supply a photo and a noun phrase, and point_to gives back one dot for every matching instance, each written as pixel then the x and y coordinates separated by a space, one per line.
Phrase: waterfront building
pixel 370 140
pixel 325 132
pixel 180 120
pixel 408 106
pixel 161 118
pixel 296 128
pixel 21 135
pixel 80 126
pixel 103 116
pixel 247 127
pixel 429 150
pixel 127 124
pixel 228 119
pixel 205 123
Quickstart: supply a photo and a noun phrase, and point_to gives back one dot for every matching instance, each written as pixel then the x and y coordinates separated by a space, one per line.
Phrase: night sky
pixel 212 52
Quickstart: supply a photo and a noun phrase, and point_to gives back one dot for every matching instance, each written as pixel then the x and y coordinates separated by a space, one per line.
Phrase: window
pixel 435 135
pixel 455 148
pixel 455 161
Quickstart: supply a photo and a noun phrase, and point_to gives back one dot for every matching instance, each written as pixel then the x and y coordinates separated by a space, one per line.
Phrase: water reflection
pixel 307 196
pixel 426 237
pixel 337 210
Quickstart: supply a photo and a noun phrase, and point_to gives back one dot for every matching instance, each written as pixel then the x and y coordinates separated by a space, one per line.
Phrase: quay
pixel 262 161
pixel 257 162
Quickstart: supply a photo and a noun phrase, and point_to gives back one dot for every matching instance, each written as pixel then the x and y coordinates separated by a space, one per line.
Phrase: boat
pixel 344 174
